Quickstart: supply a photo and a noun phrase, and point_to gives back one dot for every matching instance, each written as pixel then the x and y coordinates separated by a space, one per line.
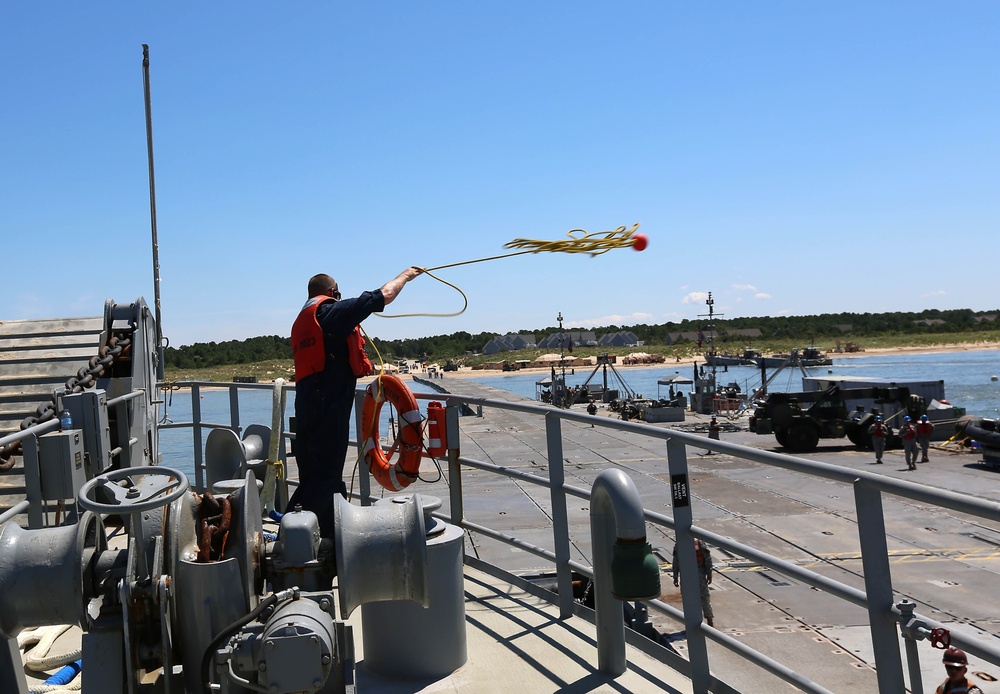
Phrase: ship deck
pixel 516 643
pixel 944 562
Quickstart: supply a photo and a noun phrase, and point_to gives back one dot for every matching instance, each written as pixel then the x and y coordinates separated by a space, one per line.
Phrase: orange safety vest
pixel 309 348
pixel 907 432
pixel 924 428
pixel 879 430
pixel 960 688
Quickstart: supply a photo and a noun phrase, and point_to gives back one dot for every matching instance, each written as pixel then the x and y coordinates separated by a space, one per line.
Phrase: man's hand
pixel 391 289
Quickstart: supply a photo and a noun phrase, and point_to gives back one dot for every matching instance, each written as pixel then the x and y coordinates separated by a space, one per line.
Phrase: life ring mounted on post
pixel 399 475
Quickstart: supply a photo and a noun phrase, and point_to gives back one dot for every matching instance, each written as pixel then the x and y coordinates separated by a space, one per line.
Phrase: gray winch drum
pixel 405 640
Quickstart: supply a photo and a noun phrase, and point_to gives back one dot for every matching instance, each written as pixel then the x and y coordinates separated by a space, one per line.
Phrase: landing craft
pixel 168 588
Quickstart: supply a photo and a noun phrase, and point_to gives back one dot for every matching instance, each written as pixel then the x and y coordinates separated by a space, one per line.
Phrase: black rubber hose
pixel 206 659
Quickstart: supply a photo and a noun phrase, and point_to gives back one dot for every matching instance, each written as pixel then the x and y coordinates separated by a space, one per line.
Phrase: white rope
pixel 71 688
pixel 39 660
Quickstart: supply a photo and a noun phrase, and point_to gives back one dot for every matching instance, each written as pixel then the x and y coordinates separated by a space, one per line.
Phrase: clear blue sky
pixel 790 157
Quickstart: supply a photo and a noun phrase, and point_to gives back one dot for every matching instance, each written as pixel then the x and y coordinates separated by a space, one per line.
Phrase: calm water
pixel 966 376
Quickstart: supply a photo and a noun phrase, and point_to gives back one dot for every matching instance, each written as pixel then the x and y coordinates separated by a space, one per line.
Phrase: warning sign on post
pixel 679 490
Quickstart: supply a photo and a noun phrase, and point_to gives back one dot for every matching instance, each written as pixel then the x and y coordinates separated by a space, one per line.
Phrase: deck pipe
pixel 616 519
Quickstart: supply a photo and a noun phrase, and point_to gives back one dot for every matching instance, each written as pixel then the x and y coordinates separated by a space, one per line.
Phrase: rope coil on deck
pixel 38 658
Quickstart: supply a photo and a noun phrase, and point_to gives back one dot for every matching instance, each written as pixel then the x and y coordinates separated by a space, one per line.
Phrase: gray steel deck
pixel 947 564
pixel 518 643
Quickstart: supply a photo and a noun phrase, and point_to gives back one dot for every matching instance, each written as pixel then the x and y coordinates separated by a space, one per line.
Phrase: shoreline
pixel 465 372
pixel 685 362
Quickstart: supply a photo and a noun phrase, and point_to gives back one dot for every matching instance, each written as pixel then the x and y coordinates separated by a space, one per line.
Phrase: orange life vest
pixel 879 430
pixel 361 365
pixel 907 432
pixel 924 428
pixel 309 348
pixel 959 688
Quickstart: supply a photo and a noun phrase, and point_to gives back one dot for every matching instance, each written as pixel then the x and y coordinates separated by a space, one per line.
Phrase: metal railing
pixel 869 490
pixel 42 511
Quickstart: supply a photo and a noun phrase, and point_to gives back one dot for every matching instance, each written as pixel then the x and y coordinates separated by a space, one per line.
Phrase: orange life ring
pixel 398 476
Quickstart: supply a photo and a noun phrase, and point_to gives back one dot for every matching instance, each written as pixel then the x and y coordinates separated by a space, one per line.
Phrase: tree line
pixel 800 328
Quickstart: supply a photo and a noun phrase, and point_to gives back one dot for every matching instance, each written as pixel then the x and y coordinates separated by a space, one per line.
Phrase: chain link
pixel 85 378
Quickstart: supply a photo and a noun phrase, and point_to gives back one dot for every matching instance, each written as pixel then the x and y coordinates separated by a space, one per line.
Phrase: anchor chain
pixel 85 378
pixel 215 517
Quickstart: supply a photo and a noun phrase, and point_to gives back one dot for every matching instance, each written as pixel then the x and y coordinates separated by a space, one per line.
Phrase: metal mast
pixel 152 211
pixel 711 333
pixel 562 361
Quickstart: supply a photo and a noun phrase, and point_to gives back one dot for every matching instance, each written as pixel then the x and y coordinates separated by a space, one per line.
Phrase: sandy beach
pixel 465 372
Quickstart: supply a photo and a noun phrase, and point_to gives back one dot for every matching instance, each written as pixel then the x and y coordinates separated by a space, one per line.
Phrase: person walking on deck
pixel 879 433
pixel 908 433
pixel 704 557
pixel 924 431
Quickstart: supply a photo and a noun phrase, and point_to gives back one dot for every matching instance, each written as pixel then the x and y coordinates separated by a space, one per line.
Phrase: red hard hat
pixel 955 656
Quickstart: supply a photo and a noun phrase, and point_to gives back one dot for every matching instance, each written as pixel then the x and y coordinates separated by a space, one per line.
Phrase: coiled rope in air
pixel 592 243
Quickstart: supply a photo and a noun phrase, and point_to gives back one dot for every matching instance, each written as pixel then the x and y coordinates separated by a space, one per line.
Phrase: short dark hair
pixel 319 284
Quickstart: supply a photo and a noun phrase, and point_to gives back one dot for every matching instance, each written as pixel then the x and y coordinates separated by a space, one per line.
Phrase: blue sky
pixel 790 157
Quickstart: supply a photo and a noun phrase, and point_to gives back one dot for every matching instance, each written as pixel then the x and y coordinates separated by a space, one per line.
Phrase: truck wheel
pixel 781 436
pixel 859 436
pixel 802 438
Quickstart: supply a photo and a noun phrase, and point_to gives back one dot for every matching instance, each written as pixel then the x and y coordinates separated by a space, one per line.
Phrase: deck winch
pixel 158 616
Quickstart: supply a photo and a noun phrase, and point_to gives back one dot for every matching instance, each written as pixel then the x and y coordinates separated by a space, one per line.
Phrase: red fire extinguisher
pixel 436 433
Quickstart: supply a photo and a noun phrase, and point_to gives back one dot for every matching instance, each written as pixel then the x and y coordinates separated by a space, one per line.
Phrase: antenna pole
pixel 152 211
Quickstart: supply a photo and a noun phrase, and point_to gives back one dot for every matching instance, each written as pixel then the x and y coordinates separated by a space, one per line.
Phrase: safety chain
pixel 215 516
pixel 85 378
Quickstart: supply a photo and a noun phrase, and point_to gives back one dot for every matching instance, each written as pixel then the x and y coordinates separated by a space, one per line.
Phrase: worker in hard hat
pixel 704 559
pixel 956 663
pixel 879 433
pixel 908 433
pixel 924 431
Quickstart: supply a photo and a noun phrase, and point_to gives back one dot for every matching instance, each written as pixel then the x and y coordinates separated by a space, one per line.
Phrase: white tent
pixel 676 380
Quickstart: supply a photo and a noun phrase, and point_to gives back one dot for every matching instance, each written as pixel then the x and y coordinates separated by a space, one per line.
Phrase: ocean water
pixel 966 375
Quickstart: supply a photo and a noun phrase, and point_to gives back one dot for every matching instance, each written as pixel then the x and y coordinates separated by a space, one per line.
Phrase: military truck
pixel 799 420
pixel 450 365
